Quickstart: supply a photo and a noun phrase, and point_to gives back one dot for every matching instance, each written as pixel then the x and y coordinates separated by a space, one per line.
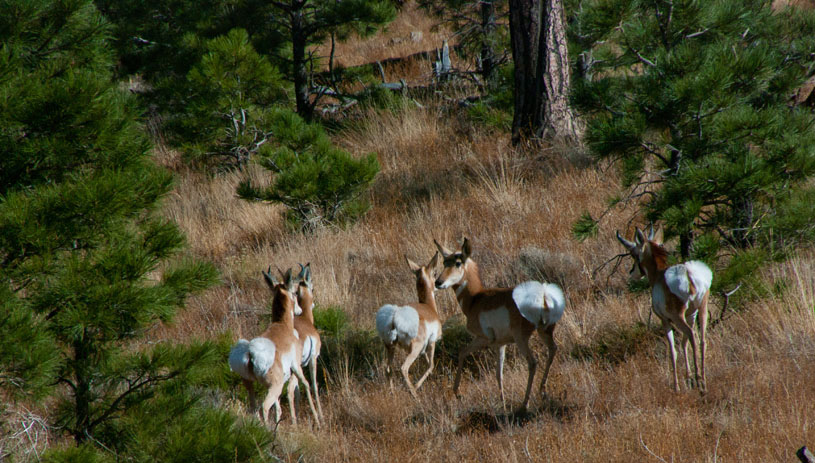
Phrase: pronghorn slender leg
pixel 475 345
pixel 250 391
pixel 546 334
pixel 430 355
pixel 298 371
pixel 687 331
pixel 669 337
pixel 684 349
pixel 415 351
pixel 313 368
pixel 290 392
pixel 389 365
pixel 702 345
pixel 532 363
pixel 502 353
pixel 272 398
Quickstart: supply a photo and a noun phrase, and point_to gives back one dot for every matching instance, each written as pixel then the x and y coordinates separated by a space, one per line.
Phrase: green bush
pixel 319 183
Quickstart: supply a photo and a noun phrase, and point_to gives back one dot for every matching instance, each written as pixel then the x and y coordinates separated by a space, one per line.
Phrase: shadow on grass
pixel 480 421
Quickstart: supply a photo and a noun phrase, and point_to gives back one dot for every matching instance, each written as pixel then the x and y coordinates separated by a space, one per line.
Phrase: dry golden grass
pixel 412 32
pixel 610 396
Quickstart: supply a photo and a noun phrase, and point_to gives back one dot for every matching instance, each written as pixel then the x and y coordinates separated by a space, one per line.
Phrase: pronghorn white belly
pixel 309 350
pixel 397 324
pixel 433 330
pixel 542 304
pixel 658 301
pixel 288 360
pixel 495 325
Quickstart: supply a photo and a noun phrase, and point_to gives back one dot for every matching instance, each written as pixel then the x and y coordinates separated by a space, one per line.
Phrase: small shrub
pixel 331 321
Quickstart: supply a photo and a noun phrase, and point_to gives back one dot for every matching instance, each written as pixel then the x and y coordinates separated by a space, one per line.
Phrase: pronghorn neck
pixel 424 289
pixel 283 309
pixel 653 262
pixel 468 286
pixel 306 302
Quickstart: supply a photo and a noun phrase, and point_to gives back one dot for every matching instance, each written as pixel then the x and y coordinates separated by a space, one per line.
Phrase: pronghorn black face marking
pixel 453 270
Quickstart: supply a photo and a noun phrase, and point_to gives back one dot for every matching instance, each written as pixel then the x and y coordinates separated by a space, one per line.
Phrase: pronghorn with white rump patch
pixel 678 294
pixel 416 327
pixel 308 335
pixel 500 316
pixel 272 357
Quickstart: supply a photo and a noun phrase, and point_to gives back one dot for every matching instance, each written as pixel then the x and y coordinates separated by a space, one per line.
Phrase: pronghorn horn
pixel 302 274
pixel 628 244
pixel 640 236
pixel 651 232
pixel 444 251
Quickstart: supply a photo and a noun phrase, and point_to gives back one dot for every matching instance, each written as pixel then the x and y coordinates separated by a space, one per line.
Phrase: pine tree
pixel 305 23
pixel 319 183
pixel 692 99
pixel 230 93
pixel 87 263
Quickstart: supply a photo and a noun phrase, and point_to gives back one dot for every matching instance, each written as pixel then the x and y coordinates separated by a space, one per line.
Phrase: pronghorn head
pixel 648 252
pixel 454 264
pixel 305 289
pixel 284 292
pixel 424 274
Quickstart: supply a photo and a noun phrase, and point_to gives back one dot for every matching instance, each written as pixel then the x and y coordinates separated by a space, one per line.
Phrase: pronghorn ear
pixel 270 280
pixel 466 249
pixel 290 280
pixel 444 251
pixel 414 267
pixel 433 262
pixel 658 236
pixel 307 276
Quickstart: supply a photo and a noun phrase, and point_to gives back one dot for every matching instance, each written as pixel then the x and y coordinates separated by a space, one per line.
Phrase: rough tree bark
pixel 298 40
pixel 487 29
pixel 542 74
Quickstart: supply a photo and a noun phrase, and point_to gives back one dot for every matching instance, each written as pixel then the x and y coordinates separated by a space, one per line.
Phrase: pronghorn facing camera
pixel 272 357
pixel 308 335
pixel 415 327
pixel 500 316
pixel 678 294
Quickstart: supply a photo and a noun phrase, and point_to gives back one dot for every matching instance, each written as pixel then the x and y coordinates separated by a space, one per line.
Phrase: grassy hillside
pixel 444 177
pixel 610 396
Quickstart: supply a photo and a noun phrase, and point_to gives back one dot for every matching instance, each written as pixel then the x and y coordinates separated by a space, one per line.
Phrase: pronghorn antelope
pixel 272 357
pixel 415 327
pixel 307 334
pixel 500 316
pixel 678 294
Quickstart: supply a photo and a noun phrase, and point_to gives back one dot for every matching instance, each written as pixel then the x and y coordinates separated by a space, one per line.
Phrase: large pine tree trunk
pixel 542 74
pixel 298 40
pixel 487 30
